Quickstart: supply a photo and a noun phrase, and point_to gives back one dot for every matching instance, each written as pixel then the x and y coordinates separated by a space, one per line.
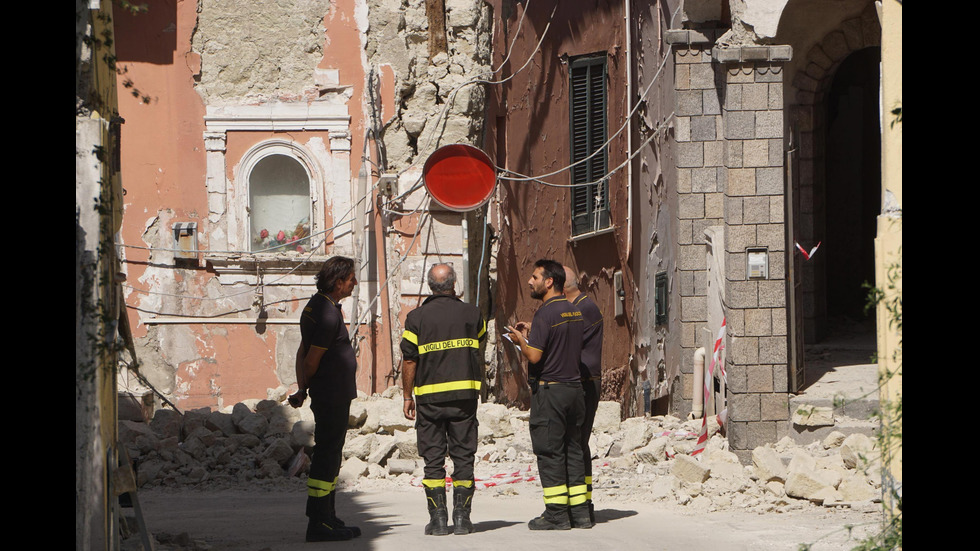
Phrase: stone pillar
pixel 701 177
pixel 757 340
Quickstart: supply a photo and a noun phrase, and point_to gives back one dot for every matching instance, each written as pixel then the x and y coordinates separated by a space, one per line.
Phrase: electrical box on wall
pixel 757 263
pixel 660 298
pixel 620 300
pixel 185 240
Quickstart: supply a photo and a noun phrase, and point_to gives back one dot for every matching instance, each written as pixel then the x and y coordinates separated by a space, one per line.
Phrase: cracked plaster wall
pixel 254 52
pixel 434 104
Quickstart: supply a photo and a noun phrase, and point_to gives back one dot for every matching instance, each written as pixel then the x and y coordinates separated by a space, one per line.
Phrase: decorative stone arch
pixel 294 151
pixel 807 130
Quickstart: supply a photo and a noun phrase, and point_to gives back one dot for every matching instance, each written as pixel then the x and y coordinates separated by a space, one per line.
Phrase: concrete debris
pixel 813 416
pixel 645 458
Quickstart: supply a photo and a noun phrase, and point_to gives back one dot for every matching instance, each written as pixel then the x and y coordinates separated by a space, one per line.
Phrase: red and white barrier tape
pixel 808 255
pixel 709 377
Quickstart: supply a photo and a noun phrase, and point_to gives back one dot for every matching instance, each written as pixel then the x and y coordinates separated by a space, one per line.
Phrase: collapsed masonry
pixel 268 442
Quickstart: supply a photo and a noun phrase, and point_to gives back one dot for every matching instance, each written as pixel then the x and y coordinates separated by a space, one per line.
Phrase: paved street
pixel 394 520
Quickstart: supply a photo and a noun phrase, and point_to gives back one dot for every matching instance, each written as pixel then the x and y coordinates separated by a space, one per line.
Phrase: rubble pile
pixel 642 458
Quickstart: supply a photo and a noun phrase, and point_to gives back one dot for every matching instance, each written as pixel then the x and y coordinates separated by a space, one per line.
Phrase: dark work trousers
pixel 557 413
pixel 447 427
pixel 591 388
pixel 331 418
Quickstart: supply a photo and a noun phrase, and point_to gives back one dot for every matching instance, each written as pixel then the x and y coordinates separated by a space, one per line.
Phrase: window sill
pixel 289 269
pixel 596 233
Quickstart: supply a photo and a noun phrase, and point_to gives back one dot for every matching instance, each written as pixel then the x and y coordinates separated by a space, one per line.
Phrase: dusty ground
pixel 269 517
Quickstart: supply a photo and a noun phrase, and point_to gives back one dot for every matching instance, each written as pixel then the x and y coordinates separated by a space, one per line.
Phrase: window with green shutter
pixel 587 120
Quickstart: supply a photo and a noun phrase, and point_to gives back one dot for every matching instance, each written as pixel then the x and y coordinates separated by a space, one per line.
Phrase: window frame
pixel 243 181
pixel 588 132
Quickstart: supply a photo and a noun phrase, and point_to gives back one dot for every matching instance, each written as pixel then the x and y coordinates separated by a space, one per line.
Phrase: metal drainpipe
pixel 466 259
pixel 629 132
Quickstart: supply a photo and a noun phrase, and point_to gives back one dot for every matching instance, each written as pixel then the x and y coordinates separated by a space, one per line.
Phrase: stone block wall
pixel 701 182
pixel 754 214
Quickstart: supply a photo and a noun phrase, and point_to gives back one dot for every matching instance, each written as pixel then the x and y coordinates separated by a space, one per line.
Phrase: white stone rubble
pixel 643 458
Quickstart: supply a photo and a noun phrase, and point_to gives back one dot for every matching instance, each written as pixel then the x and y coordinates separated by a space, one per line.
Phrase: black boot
pixel 332 515
pixel 554 517
pixel 462 501
pixel 580 516
pixel 320 526
pixel 438 513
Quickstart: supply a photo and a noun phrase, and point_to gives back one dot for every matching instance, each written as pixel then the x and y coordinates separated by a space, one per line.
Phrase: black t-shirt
pixel 322 326
pixel 556 331
pixel 591 336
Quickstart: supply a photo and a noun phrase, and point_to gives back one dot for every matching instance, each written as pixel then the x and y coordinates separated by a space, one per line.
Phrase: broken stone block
pixel 833 440
pixel 827 496
pixel 240 411
pixel 221 422
pixel 384 448
pixel 768 466
pixel 385 415
pixel 280 451
pixel 166 423
pixel 856 449
pixel 194 418
pixel 803 485
pixel 407 444
pixel 690 470
pixel 253 423
pixel 828 477
pixel 269 468
pixel 245 440
pixel 352 469
pixel 636 434
pixel 607 417
pixel 358 413
pixel 494 421
pixel 401 466
pixel 813 416
pixel 359 447
pixel 776 488
pixel 302 434
pixel 801 462
pixel 654 452
pixel 267 408
pixel 856 487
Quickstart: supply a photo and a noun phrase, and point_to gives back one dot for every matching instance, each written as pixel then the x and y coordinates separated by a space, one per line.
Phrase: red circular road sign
pixel 459 177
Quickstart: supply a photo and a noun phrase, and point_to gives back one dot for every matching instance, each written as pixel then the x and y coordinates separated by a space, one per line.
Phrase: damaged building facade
pixel 268 137
pixel 679 152
pixel 673 153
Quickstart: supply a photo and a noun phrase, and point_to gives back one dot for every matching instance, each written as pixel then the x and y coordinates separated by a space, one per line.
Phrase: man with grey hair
pixel 442 367
pixel 590 367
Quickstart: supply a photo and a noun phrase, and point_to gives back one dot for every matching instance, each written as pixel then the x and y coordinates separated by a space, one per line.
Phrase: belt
pixel 556 383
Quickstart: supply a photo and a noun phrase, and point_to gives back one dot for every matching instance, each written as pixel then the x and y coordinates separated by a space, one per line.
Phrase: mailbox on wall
pixel 757 263
pixel 185 240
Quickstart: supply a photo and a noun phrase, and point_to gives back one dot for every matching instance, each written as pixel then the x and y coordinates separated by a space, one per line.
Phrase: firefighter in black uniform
pixel 325 366
pixel 553 348
pixel 442 368
pixel 590 368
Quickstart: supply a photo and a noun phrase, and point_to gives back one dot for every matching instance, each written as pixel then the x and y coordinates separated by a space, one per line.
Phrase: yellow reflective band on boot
pixel 557 495
pixel 462 483
pixel 446 345
pixel 577 494
pixel 446 387
pixel 434 482
pixel 319 488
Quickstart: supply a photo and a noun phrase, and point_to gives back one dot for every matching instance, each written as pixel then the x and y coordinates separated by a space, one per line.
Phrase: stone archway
pixel 811 124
